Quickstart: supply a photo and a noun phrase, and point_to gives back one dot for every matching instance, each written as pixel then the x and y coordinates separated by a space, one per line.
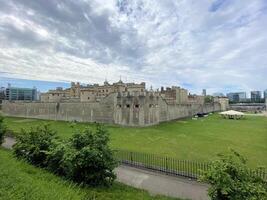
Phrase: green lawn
pixel 21 181
pixel 198 140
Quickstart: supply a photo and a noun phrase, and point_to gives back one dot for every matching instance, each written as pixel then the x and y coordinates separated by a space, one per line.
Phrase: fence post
pixel 192 169
pixel 131 157
pixel 166 164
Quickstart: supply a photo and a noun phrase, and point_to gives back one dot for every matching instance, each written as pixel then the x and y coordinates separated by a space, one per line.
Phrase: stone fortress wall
pixel 127 107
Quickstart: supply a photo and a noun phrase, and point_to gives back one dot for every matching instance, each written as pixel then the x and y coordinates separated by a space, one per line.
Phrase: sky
pixel 219 45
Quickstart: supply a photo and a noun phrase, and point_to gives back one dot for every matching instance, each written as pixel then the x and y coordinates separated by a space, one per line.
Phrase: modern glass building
pixel 2 93
pixel 256 96
pixel 237 96
pixel 21 94
pixel 265 94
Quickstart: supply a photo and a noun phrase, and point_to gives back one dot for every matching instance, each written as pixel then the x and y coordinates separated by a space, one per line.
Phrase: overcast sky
pixel 220 45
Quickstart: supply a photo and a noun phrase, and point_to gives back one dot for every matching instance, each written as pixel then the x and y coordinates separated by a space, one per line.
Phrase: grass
pixel 198 140
pixel 19 180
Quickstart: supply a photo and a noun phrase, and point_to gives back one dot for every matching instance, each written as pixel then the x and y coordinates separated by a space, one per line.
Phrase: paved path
pixel 8 142
pixel 154 183
pixel 264 114
pixel 161 184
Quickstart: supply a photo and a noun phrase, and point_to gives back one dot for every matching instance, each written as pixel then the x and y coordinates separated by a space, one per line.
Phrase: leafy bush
pixel 84 158
pixel 55 156
pixel 230 179
pixel 33 145
pixel 2 129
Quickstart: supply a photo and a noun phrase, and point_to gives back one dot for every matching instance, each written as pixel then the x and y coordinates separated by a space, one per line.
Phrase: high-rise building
pixel 255 96
pixel 24 94
pixel 2 94
pixel 237 96
pixel 265 94
pixel 204 92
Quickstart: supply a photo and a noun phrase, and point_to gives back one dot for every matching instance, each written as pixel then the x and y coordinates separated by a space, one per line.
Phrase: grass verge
pixel 196 140
pixel 21 181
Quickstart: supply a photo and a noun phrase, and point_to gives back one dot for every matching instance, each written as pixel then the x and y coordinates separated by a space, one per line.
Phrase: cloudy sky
pixel 220 45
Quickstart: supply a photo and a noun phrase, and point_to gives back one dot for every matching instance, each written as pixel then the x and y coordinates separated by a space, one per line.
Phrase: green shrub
pixel 2 129
pixel 33 145
pixel 86 158
pixel 230 179
pixel 55 157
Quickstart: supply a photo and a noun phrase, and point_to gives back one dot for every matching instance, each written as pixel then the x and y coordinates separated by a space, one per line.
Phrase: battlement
pixel 138 94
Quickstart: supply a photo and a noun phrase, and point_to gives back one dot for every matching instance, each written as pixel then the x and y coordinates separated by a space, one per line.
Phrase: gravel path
pixel 154 183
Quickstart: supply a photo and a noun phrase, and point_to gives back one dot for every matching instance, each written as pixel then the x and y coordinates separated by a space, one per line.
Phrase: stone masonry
pixel 126 104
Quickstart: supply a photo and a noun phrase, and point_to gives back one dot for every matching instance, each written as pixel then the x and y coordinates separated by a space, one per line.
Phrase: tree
pixel 231 179
pixel 208 99
pixel 2 129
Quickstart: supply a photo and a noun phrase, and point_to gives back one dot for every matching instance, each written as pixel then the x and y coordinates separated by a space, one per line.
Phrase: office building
pixel 237 96
pixel 255 96
pixel 20 94
pixel 265 94
pixel 2 94
pixel 204 92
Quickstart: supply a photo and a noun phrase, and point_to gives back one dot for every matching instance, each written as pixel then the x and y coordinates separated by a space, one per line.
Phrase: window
pixel 136 106
pixel 88 97
pixel 128 106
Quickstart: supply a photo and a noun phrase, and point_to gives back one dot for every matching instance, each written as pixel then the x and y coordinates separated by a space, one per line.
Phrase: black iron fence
pixel 171 166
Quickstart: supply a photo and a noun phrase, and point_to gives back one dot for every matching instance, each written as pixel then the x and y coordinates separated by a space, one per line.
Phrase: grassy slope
pixel 19 180
pixel 184 139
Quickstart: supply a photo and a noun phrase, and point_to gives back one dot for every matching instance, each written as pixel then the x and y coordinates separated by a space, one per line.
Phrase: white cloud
pixel 221 46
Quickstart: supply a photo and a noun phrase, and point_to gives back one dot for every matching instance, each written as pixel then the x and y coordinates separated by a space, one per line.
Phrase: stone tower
pixel 137 108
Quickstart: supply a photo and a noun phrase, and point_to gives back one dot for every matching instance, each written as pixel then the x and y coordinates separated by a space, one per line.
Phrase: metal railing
pixel 171 166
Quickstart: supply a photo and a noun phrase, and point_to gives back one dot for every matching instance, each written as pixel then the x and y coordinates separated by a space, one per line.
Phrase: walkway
pixel 162 184
pixel 8 142
pixel 154 183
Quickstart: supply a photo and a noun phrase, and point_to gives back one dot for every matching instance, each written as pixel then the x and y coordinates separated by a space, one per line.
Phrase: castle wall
pixel 84 112
pixel 35 110
pixel 128 110
pixel 175 111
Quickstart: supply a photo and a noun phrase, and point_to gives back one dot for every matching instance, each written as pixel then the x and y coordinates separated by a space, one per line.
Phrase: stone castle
pixel 127 104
